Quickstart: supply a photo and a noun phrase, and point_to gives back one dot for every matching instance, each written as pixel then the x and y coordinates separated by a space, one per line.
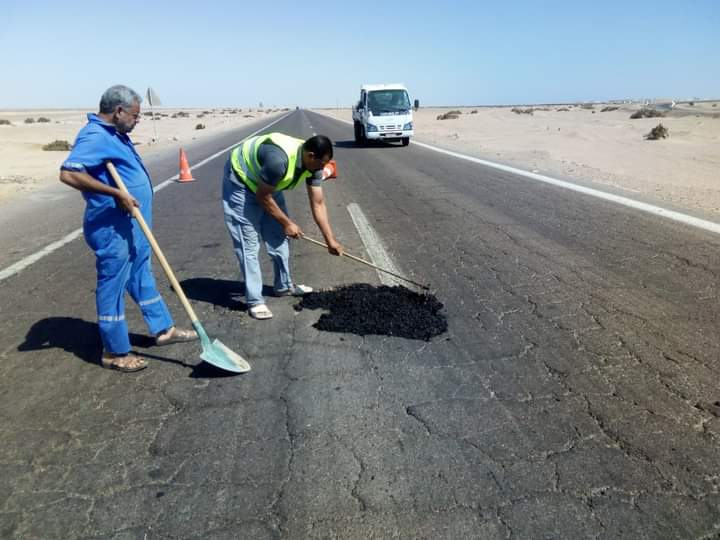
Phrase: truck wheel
pixel 363 139
pixel 356 130
pixel 405 141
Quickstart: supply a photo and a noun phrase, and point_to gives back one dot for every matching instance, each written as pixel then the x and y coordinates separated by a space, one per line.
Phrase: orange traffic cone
pixel 185 175
pixel 329 170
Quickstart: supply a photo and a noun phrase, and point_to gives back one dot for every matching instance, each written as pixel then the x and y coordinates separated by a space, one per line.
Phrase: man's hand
pixel 334 248
pixel 293 231
pixel 126 201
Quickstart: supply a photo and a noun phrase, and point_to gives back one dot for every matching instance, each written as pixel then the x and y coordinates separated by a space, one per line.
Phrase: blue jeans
pixel 248 224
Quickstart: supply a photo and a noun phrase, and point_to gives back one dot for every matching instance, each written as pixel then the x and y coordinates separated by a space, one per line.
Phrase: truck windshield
pixel 388 101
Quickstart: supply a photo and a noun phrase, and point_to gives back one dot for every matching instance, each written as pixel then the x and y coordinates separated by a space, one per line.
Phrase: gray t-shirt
pixel 274 162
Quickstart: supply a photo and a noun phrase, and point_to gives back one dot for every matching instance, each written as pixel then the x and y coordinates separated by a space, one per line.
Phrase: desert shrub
pixel 43 120
pixel 518 110
pixel 474 111
pixel 647 113
pixel 562 109
pixel 61 145
pixel 691 103
pixel 248 116
pixel 608 109
pixel 589 106
pixel 29 120
pixel 200 126
pixel 200 116
pixel 450 115
pixel 658 132
pixel 147 113
pixel 714 104
pixel 4 122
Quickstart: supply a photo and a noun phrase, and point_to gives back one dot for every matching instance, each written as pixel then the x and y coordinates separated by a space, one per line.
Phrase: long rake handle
pixel 368 263
pixel 155 247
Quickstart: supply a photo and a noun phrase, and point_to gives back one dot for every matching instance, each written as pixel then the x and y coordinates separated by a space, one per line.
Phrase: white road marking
pixel 706 225
pixel 47 250
pixel 27 261
pixel 374 246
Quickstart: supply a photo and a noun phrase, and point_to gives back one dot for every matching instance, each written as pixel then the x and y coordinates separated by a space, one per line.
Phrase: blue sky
pixel 222 53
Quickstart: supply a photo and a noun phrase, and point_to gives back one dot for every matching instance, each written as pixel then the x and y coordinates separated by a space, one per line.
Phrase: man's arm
pixel 264 197
pixel 84 182
pixel 320 215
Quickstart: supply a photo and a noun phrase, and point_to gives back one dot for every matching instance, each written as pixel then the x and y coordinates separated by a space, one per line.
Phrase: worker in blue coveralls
pixel 122 252
pixel 257 173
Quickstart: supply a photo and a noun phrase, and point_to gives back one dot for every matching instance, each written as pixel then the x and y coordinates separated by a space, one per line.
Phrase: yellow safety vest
pixel 244 160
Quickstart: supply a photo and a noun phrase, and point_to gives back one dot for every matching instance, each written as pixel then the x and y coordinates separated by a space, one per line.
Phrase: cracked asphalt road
pixel 575 394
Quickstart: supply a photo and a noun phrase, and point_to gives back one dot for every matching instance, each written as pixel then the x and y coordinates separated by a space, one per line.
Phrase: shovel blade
pixel 218 354
pixel 221 356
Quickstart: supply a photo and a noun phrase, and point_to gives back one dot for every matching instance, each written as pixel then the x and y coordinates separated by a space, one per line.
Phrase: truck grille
pixel 390 128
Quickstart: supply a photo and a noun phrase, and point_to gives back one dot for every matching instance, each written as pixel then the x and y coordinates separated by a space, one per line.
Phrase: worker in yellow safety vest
pixel 257 173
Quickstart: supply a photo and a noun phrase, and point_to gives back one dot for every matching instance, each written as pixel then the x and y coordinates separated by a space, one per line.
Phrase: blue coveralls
pixel 122 252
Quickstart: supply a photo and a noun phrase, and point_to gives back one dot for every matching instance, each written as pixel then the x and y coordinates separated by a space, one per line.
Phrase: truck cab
pixel 383 113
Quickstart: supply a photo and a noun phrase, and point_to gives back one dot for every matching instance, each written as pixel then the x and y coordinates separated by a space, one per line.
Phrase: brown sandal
pixel 127 364
pixel 176 335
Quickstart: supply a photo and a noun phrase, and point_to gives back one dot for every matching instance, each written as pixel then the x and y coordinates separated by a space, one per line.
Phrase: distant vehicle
pixel 384 113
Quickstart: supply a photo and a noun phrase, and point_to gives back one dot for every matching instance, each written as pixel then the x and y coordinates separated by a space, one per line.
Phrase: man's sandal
pixel 260 312
pixel 127 364
pixel 176 335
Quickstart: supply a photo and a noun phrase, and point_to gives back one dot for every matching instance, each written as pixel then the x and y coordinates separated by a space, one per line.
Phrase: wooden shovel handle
pixel 368 263
pixel 155 247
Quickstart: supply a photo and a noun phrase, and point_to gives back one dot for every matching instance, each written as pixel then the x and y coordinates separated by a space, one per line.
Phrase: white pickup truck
pixel 383 113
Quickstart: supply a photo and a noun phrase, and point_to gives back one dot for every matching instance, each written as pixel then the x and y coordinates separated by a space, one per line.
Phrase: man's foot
pixel 295 290
pixel 260 312
pixel 126 363
pixel 176 335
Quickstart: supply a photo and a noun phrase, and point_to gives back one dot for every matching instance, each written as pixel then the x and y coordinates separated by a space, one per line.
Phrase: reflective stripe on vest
pixel 245 164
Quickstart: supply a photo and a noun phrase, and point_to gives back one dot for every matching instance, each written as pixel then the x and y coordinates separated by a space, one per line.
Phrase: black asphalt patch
pixel 365 309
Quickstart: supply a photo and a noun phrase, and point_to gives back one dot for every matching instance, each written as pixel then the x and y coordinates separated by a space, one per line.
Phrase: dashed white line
pixel 374 246
pixel 47 250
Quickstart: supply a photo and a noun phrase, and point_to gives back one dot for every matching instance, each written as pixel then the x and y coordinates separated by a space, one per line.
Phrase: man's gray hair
pixel 118 95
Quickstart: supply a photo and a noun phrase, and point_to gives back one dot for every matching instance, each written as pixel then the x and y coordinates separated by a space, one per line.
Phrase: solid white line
pixel 27 261
pixel 374 246
pixel 706 225
pixel 649 208
pixel 47 250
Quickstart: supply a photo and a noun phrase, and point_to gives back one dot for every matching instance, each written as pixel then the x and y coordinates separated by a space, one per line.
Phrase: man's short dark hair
pixel 320 146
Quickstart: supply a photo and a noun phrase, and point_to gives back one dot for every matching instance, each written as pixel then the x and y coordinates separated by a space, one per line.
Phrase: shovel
pixel 215 353
pixel 368 263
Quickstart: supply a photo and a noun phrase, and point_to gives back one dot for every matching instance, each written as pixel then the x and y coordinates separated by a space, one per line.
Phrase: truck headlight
pixel 371 127
pixel 407 127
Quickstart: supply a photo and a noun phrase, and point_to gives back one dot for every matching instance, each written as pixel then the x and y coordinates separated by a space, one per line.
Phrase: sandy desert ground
pixel 25 166
pixel 602 148
pixel 572 142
